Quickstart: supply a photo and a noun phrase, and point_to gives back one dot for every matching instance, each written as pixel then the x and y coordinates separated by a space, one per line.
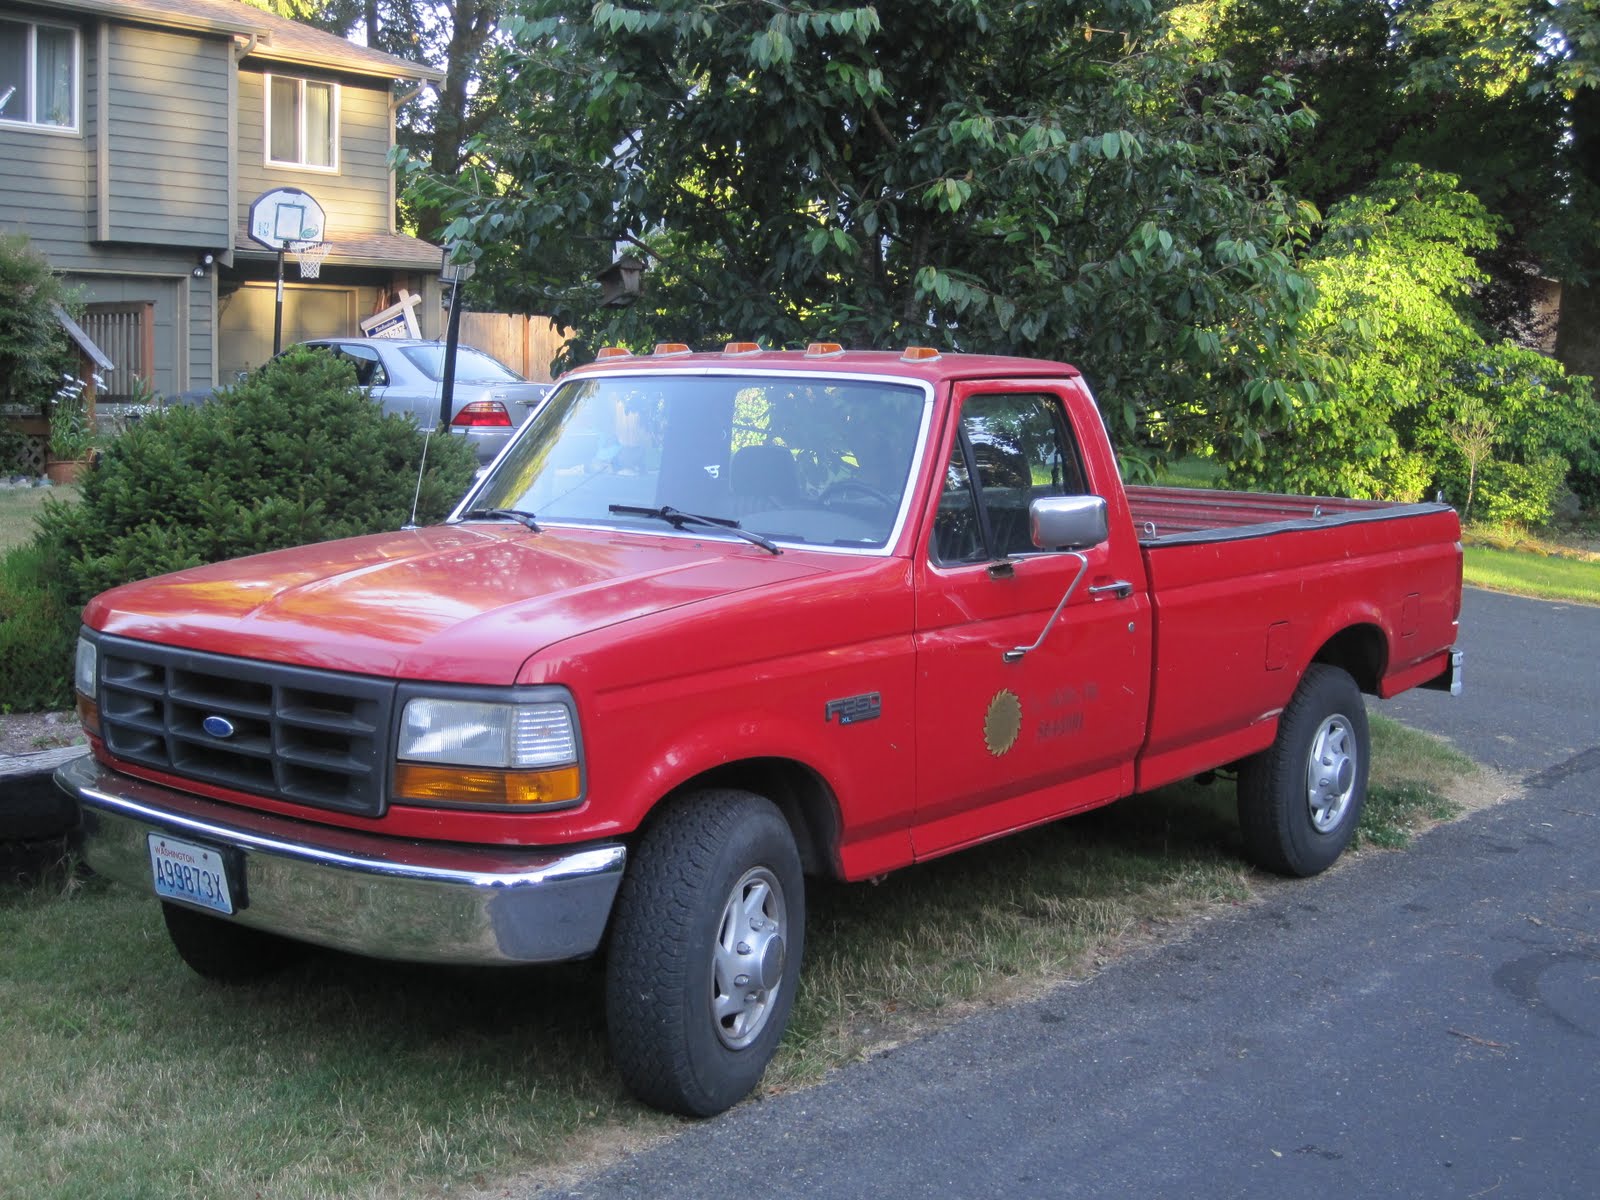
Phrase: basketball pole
pixel 277 316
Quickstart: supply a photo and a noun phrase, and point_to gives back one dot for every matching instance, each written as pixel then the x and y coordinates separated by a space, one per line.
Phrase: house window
pixel 38 74
pixel 302 123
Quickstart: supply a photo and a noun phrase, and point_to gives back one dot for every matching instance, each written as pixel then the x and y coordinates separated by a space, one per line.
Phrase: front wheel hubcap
pixel 1331 773
pixel 748 960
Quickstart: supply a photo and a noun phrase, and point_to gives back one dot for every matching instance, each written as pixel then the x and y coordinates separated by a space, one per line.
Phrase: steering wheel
pixel 839 489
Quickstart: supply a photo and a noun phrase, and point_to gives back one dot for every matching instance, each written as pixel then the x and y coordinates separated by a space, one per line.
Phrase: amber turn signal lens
pixel 88 715
pixel 475 785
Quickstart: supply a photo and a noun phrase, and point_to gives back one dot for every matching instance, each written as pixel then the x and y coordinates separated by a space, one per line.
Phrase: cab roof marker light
pixel 824 349
pixel 614 352
pixel 920 354
pixel 742 348
pixel 670 350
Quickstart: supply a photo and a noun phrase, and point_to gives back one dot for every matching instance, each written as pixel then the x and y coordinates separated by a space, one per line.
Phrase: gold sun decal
pixel 1002 722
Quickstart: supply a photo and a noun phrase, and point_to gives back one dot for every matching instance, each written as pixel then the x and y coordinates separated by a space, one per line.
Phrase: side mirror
pixel 1067 522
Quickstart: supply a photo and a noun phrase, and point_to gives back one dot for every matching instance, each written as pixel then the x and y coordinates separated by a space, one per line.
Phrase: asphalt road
pixel 1424 1024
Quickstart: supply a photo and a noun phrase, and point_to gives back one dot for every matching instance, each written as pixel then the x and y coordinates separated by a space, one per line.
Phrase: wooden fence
pixel 525 344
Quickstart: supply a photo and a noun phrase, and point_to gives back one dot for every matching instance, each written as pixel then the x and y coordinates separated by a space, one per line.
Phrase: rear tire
pixel 704 954
pixel 1301 798
pixel 223 951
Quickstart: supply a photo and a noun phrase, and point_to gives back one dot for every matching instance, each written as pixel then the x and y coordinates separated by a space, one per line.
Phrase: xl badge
pixel 217 727
pixel 1002 722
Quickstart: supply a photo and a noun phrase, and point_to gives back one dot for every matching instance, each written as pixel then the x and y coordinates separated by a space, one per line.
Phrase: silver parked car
pixel 405 375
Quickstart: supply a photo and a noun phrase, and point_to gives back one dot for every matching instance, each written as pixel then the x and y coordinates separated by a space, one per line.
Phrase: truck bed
pixel 1247 587
pixel 1176 515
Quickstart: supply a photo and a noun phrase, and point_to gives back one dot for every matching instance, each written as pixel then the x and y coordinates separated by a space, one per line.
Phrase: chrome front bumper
pixel 386 897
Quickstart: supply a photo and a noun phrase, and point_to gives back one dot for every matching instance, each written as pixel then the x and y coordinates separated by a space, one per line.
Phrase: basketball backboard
pixel 285 215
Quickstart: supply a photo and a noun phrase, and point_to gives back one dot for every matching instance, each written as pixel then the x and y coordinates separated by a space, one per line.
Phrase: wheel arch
pixel 804 798
pixel 1361 651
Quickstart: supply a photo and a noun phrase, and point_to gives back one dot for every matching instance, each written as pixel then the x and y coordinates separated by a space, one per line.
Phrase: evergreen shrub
pixel 33 346
pixel 295 454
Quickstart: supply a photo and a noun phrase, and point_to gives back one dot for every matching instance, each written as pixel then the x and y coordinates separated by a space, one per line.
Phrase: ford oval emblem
pixel 217 727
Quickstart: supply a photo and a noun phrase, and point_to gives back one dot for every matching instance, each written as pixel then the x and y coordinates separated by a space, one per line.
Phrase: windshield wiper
pixel 502 514
pixel 678 519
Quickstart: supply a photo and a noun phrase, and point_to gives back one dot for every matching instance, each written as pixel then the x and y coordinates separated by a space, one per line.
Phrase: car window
pixel 1013 449
pixel 472 366
pixel 368 365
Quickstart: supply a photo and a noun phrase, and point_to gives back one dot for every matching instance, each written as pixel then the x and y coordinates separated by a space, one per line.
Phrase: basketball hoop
pixel 309 256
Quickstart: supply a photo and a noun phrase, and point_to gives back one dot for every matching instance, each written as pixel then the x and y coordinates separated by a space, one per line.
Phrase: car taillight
pixel 481 413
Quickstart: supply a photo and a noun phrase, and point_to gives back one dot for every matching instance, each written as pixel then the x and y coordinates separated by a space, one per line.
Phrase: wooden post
pixel 86 375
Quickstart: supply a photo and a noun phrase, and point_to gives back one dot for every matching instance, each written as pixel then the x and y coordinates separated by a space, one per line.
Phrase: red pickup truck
pixel 713 623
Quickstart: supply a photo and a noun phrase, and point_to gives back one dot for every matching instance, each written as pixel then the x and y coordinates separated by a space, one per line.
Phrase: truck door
pixel 1006 744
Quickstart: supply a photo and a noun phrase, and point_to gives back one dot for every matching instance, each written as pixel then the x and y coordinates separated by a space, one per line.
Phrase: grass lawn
pixel 1193 471
pixel 18 507
pixel 1547 576
pixel 128 1076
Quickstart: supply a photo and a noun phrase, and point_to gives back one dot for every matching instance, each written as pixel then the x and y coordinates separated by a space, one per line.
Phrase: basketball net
pixel 309 256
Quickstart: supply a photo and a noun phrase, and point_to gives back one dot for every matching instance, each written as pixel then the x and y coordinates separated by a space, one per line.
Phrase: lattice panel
pixel 33 454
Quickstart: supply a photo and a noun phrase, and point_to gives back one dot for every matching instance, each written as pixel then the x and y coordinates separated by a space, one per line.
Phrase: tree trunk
pixel 1578 335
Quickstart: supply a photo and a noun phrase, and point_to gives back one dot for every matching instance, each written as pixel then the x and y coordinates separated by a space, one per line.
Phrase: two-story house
pixel 134 135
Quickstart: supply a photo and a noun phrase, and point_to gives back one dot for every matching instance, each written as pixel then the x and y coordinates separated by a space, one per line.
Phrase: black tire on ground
pixel 1300 799
pixel 223 951
pixel 704 954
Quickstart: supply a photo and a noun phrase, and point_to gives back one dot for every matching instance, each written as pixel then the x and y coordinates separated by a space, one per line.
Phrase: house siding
pixel 202 331
pixel 168 140
pixel 356 196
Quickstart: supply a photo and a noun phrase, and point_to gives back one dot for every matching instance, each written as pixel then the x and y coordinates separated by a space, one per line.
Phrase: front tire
pixel 704 956
pixel 1301 798
pixel 225 952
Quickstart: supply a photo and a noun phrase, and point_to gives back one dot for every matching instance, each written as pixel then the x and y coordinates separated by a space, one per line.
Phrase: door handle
pixel 1121 587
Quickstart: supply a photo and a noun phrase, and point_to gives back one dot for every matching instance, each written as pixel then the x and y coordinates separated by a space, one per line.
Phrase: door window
pixel 1011 449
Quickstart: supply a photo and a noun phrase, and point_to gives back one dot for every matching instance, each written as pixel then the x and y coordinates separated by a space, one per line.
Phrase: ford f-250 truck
pixel 713 623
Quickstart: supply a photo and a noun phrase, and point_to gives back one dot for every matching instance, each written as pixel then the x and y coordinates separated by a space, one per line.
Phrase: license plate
pixel 194 874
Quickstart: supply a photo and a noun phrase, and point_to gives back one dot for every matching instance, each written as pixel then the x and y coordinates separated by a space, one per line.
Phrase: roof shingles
pixel 279 39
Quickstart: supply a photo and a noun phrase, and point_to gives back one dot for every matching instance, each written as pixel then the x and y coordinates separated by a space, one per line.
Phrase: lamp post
pixel 456 275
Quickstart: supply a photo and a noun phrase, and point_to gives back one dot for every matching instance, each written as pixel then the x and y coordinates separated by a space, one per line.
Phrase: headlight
pixel 86 683
pixel 85 670
pixel 481 752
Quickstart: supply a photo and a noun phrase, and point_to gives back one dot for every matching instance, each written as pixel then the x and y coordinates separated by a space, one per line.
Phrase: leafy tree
pixel 1053 178
pixel 1418 382
pixel 1504 94
pixel 1542 432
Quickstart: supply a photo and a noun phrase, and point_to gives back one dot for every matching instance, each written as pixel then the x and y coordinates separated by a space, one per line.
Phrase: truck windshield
pixel 821 462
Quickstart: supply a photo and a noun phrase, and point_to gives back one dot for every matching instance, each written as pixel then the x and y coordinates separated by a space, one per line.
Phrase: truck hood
pixel 465 604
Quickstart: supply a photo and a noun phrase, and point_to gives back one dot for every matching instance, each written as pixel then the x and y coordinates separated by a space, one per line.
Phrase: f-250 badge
pixel 1002 722
pixel 851 709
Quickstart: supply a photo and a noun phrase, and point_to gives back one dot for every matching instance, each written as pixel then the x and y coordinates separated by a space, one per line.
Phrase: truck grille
pixel 312 737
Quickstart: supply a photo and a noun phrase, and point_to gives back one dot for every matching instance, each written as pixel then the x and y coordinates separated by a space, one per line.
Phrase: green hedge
pixel 296 454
